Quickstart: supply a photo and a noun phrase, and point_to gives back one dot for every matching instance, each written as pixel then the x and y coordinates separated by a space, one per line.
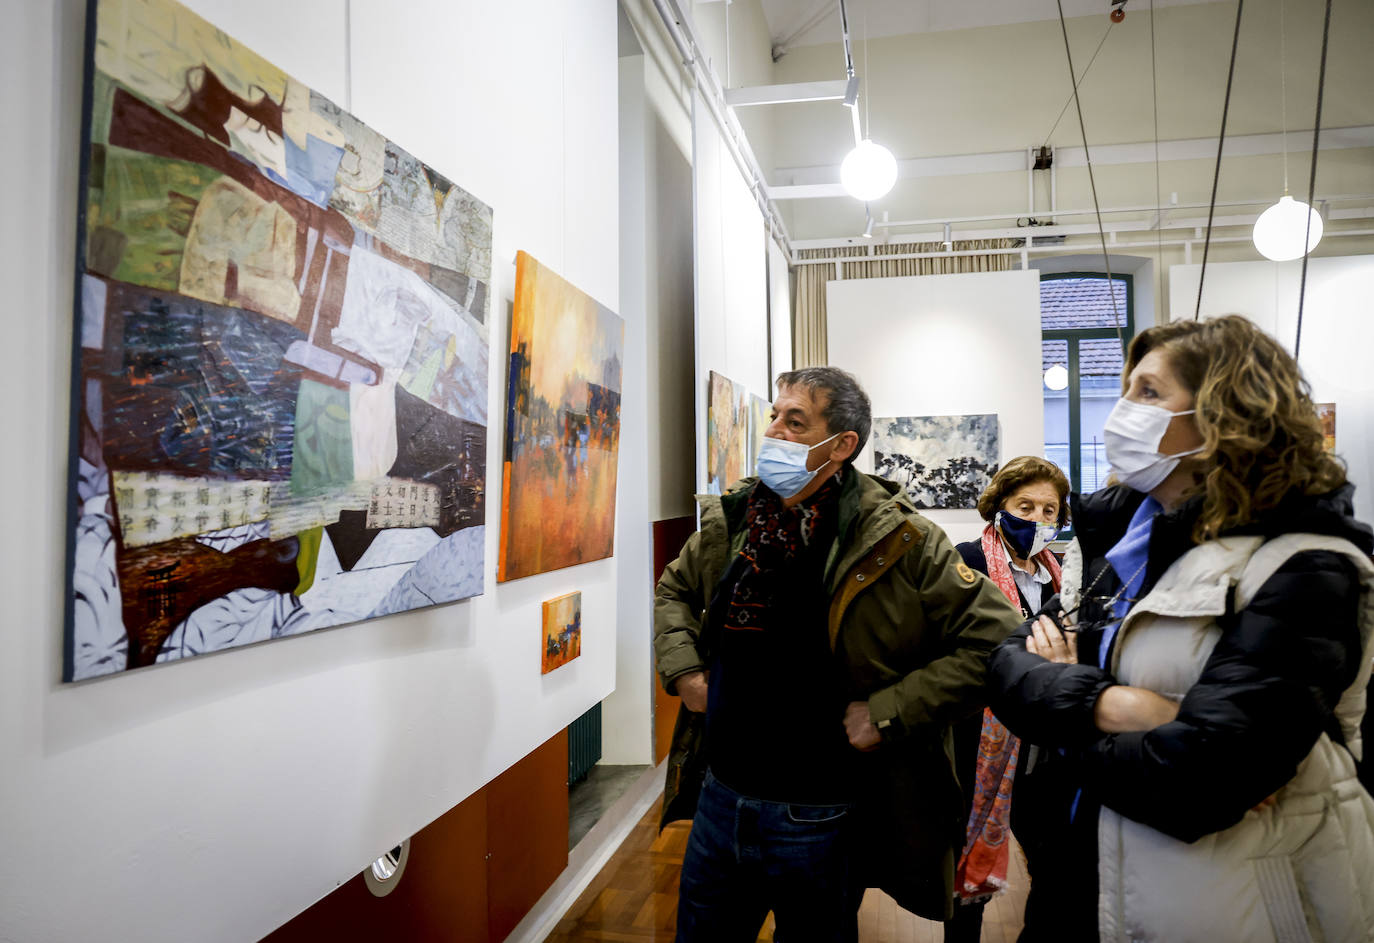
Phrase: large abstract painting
pixel 280 399
pixel 562 426
pixel 727 433
pixel 562 631
pixel 941 461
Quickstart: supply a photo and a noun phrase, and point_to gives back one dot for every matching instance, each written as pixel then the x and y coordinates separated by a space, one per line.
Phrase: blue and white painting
pixel 940 461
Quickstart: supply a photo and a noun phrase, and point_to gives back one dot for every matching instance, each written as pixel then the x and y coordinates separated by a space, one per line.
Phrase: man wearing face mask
pixel 823 637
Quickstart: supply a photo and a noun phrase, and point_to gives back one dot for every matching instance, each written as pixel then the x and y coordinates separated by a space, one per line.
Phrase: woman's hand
pixel 1123 709
pixel 1049 641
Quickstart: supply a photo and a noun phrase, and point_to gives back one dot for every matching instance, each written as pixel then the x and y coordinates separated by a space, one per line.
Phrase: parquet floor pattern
pixel 634 899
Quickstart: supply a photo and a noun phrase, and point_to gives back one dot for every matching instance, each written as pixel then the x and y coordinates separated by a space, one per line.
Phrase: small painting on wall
pixel 281 357
pixel 727 433
pixel 1326 413
pixel 760 411
pixel 562 631
pixel 562 425
pixel 940 461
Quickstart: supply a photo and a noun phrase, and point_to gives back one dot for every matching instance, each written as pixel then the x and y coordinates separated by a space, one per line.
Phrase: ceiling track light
pixel 869 170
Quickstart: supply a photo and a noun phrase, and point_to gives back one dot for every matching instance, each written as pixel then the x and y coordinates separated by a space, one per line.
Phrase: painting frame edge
pixel 75 385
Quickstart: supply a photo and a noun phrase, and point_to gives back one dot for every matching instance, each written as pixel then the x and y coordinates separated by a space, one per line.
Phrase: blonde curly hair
pixel 1261 436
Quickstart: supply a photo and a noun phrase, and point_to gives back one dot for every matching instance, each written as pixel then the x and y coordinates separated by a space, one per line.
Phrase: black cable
pixel 1092 182
pixel 1079 82
pixel 1312 179
pixel 1159 210
pixel 1216 174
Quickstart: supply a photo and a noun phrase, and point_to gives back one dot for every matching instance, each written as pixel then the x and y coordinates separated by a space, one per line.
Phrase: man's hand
pixel 692 689
pixel 1123 709
pixel 858 724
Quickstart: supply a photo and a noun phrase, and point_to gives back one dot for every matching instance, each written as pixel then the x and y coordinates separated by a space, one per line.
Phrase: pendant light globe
pixel 1057 377
pixel 869 171
pixel 1278 232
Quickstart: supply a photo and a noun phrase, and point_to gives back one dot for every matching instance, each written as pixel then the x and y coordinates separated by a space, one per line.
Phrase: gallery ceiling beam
pixel 1106 211
pixel 832 90
pixel 1032 233
pixel 1074 249
pixel 1248 145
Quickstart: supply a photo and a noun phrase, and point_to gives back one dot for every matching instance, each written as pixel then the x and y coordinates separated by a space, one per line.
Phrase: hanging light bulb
pixel 1279 231
pixel 1056 377
pixel 869 171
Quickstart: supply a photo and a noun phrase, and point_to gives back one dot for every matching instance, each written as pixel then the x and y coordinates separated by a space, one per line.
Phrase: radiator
pixel 584 744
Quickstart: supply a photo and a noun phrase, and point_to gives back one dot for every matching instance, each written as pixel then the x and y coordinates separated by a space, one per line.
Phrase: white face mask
pixel 1132 435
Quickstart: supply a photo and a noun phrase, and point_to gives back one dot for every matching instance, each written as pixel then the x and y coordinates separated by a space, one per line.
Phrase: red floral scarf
pixel 982 869
pixel 776 539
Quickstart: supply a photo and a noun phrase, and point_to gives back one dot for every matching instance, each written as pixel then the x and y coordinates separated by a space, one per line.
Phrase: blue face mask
pixel 782 465
pixel 1026 538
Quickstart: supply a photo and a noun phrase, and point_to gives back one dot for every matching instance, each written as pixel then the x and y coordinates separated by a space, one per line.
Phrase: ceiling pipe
pixel 1032 233
pixel 1044 250
pixel 992 217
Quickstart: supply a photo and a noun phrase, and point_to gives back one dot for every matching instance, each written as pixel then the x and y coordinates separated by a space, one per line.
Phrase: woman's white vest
pixel 1298 869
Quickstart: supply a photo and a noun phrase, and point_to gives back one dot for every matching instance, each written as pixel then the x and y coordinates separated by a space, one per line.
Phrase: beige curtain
pixel 809 322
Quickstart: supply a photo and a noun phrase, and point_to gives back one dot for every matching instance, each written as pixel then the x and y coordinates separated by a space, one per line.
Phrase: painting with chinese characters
pixel 562 631
pixel 562 425
pixel 281 357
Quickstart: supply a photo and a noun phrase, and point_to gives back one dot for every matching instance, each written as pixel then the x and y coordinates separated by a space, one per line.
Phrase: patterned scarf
pixel 982 869
pixel 777 538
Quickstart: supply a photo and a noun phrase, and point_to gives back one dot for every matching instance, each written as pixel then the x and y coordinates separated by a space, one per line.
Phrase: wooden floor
pixel 634 899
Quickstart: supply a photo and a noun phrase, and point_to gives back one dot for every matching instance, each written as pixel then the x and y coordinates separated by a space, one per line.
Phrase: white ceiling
pixel 900 17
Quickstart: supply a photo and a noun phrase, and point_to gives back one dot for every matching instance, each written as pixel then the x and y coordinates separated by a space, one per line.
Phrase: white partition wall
pixel 940 345
pixel 212 799
pixel 731 274
pixel 1337 336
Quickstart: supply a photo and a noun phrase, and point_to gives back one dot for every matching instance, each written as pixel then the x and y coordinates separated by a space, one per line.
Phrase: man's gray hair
pixel 848 409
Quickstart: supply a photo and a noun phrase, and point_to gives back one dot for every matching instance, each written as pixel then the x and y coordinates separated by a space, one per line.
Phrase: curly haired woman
pixel 1204 700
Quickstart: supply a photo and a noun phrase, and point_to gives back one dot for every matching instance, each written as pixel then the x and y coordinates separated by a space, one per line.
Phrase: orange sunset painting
pixel 562 426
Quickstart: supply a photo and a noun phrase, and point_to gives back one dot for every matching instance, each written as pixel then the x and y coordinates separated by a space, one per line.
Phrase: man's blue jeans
pixel 746 857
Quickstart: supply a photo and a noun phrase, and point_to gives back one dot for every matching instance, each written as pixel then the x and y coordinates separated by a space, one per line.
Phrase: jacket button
pixel 859 577
pixel 906 538
pixel 879 561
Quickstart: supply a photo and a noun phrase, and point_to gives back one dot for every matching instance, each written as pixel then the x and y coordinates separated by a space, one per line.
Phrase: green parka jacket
pixel 913 627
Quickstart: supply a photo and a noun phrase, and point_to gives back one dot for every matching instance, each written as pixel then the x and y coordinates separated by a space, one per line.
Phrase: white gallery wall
pixel 779 316
pixel 1337 336
pixel 731 280
pixel 668 265
pixel 945 345
pixel 214 799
